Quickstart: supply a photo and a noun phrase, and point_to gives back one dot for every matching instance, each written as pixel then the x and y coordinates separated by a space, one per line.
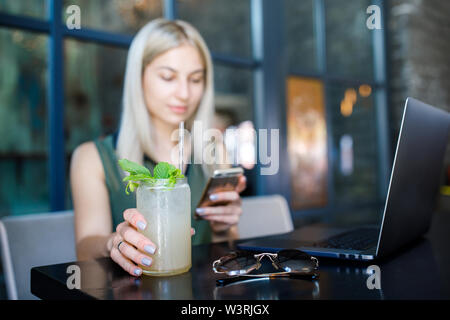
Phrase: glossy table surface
pixel 419 271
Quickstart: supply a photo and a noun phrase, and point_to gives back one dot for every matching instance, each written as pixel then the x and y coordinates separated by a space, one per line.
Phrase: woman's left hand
pixel 224 216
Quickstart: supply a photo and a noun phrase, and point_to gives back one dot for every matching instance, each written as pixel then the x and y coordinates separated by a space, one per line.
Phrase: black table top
pixel 419 271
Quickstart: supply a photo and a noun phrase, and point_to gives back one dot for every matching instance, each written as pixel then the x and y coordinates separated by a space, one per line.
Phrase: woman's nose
pixel 182 91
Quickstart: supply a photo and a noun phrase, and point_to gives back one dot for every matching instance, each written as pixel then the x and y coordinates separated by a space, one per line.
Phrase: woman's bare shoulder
pixel 86 157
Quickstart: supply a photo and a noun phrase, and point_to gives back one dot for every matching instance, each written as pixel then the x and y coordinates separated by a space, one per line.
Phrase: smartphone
pixel 221 180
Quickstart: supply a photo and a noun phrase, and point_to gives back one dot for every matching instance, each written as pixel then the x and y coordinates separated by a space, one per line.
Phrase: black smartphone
pixel 221 180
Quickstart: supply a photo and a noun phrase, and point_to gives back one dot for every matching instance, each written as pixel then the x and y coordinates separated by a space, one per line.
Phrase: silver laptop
pixel 410 200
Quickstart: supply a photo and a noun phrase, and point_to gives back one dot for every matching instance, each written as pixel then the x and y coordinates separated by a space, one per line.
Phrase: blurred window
pixel 300 35
pixel 30 8
pixel 357 123
pixel 226 27
pixel 93 94
pixel 328 42
pixel 23 122
pixel 234 92
pixel 122 16
pixel 91 70
pixel 224 24
pixel 348 40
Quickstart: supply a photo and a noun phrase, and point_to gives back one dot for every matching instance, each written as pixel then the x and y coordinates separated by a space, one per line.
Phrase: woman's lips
pixel 178 109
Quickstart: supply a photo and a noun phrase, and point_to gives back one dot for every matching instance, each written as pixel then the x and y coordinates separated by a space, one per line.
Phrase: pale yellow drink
pixel 168 214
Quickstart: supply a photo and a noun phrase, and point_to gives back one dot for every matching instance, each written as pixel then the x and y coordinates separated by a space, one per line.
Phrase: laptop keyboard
pixel 359 239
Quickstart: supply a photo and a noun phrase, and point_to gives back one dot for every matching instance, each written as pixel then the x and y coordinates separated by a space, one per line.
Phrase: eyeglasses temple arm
pixel 308 276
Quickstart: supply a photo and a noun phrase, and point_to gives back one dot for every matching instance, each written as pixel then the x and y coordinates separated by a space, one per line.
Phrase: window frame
pixel 380 88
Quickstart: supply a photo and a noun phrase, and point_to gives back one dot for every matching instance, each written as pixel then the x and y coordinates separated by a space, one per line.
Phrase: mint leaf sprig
pixel 138 174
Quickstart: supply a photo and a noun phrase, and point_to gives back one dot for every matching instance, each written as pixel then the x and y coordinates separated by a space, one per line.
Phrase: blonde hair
pixel 155 38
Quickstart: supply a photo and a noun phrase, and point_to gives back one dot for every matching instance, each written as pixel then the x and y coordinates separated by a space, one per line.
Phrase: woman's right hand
pixel 132 243
pixel 128 244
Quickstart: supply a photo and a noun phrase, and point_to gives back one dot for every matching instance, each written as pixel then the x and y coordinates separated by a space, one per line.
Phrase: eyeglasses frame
pixel 273 258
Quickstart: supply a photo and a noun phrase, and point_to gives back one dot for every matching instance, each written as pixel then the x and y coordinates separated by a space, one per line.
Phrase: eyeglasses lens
pixel 295 261
pixel 240 261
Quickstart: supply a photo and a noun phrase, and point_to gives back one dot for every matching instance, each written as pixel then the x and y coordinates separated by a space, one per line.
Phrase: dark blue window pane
pixel 32 8
pixel 23 122
pixel 354 149
pixel 123 16
pixel 93 94
pixel 234 92
pixel 349 41
pixel 93 90
pixel 224 24
pixel 301 43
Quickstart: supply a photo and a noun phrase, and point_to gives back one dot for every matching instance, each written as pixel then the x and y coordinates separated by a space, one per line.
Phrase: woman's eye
pixel 197 80
pixel 167 78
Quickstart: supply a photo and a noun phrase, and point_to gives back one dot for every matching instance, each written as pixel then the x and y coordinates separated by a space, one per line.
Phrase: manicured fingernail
pixel 141 225
pixel 150 249
pixel 213 197
pixel 193 232
pixel 200 210
pixel 146 261
pixel 137 272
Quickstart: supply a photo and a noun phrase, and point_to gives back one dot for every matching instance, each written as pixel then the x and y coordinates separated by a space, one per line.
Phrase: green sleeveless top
pixel 119 200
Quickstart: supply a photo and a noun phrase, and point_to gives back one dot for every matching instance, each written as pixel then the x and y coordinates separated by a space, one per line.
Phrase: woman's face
pixel 173 84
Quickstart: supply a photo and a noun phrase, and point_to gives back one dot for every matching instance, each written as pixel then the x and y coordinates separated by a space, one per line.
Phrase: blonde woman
pixel 168 79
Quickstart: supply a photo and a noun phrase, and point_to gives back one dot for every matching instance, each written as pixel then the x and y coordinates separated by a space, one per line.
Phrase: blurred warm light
pixel 350 95
pixel 365 90
pixel 346 108
pixel 348 102
pixel 307 143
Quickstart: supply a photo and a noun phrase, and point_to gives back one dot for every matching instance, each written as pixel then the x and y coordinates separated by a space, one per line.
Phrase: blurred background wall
pixel 419 56
pixel 419 62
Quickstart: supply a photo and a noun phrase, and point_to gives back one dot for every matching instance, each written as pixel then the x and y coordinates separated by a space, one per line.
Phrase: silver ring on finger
pixel 118 246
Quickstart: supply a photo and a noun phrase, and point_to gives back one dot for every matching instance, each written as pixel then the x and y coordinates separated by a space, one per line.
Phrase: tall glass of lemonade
pixel 167 208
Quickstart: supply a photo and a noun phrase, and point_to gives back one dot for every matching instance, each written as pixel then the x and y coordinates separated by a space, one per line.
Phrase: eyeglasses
pixel 291 262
